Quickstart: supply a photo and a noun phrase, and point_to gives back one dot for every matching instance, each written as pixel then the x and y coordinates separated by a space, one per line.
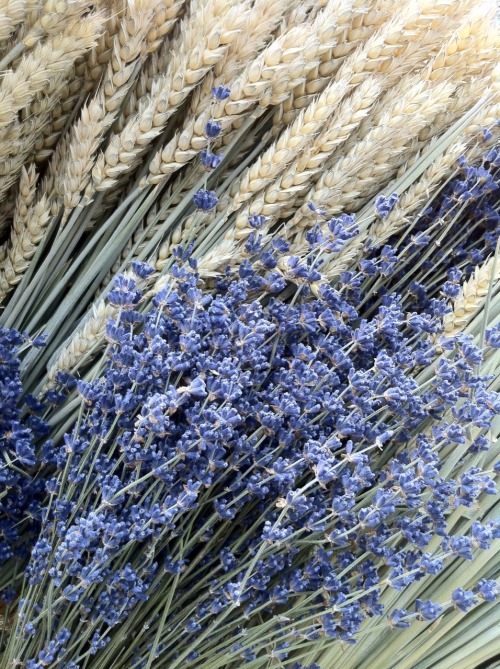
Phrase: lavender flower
pixel 205 200
pixel 230 454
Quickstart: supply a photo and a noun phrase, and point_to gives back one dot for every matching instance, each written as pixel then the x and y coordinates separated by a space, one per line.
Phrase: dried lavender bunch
pixel 247 477
pixel 19 431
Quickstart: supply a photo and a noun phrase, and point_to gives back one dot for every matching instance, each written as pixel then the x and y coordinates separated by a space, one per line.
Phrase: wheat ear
pixel 47 60
pixel 471 298
pixel 372 160
pixel 348 35
pixel 281 193
pixel 266 80
pixel 22 203
pixel 89 336
pixel 129 50
pixel 96 60
pixel 22 246
pixel 73 172
pixel 70 95
pixel 12 12
pixel 203 41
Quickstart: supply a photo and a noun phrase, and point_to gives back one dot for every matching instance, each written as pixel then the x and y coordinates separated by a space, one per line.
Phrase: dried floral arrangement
pixel 249 334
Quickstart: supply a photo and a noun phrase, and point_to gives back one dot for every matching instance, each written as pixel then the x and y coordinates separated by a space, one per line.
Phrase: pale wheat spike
pixel 22 246
pixel 25 198
pixel 422 26
pixel 255 32
pixel 69 98
pixel 56 16
pixel 265 81
pixel 19 138
pixel 12 12
pixel 203 41
pixel 129 51
pixel 471 298
pixel 288 146
pixel 73 172
pixel 98 58
pixel 281 193
pixel 85 340
pixel 372 159
pixel 461 45
pixel 350 14
pixel 165 16
pixel 158 49
pixel 155 63
pixel 47 60
pixel 459 104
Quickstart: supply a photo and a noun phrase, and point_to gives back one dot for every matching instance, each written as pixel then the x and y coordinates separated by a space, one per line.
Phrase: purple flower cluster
pixel 20 427
pixel 249 475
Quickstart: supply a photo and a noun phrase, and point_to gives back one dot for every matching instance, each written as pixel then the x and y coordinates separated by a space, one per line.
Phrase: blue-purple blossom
pixel 221 92
pixel 205 200
pixel 384 204
pixel 212 128
pixel 210 160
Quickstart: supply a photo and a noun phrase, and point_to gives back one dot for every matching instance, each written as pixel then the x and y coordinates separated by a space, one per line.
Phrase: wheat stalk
pixel 86 338
pixel 47 60
pixel 471 298
pixel 203 41
pixel 12 12
pixel 281 193
pixel 22 245
pixel 74 167
pixel 265 80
